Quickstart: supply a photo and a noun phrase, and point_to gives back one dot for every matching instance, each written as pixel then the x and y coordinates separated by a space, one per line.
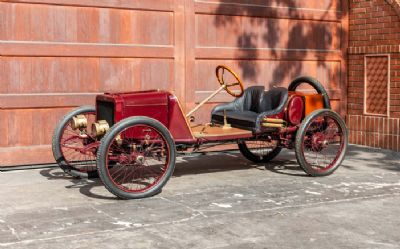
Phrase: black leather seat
pixel 247 111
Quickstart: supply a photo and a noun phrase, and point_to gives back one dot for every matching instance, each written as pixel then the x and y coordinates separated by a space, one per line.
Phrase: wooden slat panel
pixel 46 23
pixel 27 127
pixel 262 33
pixel 294 5
pixel 227 53
pixel 35 49
pixel 19 101
pixel 266 9
pixel 157 5
pixel 20 130
pixel 73 75
pixel 3 128
pixel 31 154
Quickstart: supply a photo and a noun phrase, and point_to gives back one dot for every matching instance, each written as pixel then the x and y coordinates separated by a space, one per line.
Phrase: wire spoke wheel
pixel 141 158
pixel 74 149
pixel 321 143
pixel 259 150
pixel 136 158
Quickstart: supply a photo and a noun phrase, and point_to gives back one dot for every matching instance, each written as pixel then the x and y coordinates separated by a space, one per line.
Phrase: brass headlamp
pixel 100 128
pixel 79 121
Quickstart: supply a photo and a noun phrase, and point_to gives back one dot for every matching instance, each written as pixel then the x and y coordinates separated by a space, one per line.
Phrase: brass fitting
pixel 100 128
pixel 274 125
pixel 118 139
pixel 79 121
pixel 274 120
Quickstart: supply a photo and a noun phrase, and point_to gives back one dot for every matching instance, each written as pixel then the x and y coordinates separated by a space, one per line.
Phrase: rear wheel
pixel 259 151
pixel 73 149
pixel 321 142
pixel 136 158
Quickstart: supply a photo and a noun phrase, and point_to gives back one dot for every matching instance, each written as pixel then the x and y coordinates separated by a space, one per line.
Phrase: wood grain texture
pixel 24 75
pixel 68 24
pixel 38 154
pixel 266 9
pixel 156 5
pixel 54 100
pixel 54 49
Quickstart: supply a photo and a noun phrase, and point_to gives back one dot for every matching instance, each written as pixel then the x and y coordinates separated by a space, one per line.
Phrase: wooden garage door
pixel 58 54
pixel 268 43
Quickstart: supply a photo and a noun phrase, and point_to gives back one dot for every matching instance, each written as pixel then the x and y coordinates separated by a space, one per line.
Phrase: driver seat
pixel 247 111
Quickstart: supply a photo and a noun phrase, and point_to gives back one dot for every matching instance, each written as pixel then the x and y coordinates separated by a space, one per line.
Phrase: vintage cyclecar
pixel 132 139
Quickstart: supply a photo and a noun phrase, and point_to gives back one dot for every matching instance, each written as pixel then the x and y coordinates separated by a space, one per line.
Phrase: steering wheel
pixel 219 71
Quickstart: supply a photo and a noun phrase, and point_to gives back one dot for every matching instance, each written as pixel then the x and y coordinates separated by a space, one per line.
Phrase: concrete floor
pixel 213 201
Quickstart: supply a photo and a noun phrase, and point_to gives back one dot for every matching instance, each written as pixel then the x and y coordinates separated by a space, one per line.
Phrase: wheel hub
pixel 319 141
pixel 123 159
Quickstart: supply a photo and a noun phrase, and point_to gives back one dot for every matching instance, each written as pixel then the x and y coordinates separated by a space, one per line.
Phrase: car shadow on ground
pixel 212 162
pixel 186 165
pixel 84 185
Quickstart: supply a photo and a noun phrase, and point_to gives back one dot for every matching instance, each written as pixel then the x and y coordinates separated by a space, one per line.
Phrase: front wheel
pixel 321 142
pixel 259 151
pixel 136 158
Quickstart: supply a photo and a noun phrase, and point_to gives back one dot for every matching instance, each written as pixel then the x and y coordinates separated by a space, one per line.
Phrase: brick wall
pixel 374 32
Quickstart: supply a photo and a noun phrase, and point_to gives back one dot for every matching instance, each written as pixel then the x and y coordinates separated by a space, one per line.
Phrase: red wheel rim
pixel 323 143
pixel 137 158
pixel 79 153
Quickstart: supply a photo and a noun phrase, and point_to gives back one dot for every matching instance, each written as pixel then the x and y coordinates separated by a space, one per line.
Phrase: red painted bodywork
pixel 178 125
pixel 165 107
pixel 295 110
pixel 160 105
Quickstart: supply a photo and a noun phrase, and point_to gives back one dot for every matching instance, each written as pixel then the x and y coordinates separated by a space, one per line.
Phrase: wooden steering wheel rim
pixel 222 83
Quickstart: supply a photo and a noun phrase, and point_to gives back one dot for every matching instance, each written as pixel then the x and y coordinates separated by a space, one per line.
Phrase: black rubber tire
pixel 103 151
pixel 56 143
pixel 254 158
pixel 315 84
pixel 300 137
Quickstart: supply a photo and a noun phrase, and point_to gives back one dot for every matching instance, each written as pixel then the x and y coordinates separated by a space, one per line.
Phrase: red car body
pixel 132 139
